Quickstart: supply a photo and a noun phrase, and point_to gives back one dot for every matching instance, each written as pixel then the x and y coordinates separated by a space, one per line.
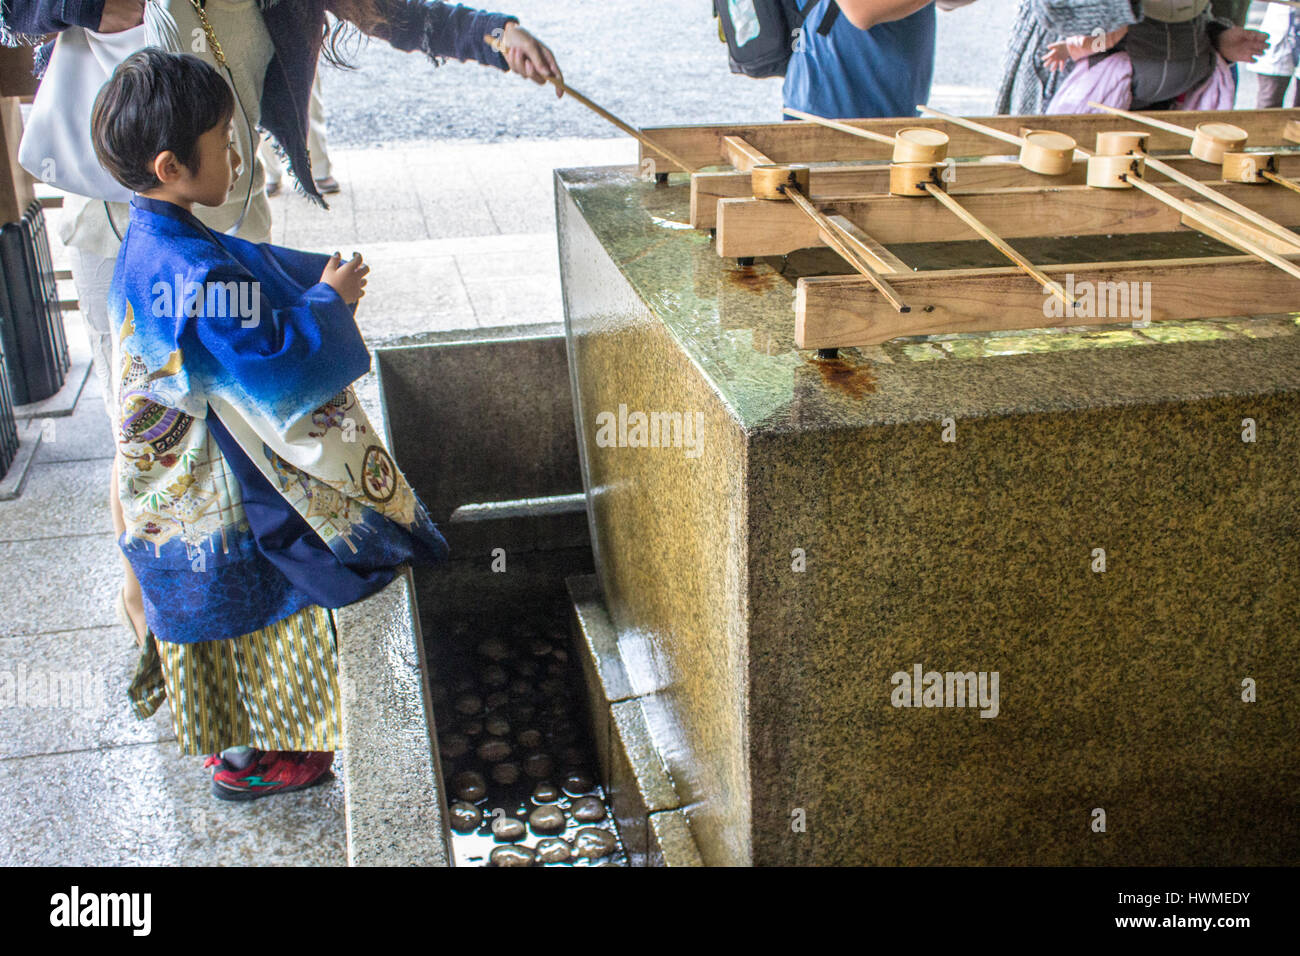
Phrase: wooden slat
pixel 1229 223
pixel 835 312
pixel 880 258
pixel 752 227
pixel 863 180
pixel 741 155
pixel 795 142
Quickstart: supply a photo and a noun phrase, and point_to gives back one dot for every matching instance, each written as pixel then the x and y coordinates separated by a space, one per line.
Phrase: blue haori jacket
pixel 251 480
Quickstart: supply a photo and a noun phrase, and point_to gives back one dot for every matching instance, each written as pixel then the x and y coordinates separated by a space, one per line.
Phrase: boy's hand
pixel 121 15
pixel 529 57
pixel 348 279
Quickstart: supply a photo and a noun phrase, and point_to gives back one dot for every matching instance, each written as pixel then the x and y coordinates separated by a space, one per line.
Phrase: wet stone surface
pixel 515 748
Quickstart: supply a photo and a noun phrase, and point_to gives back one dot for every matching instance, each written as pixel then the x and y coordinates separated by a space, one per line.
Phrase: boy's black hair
pixel 156 101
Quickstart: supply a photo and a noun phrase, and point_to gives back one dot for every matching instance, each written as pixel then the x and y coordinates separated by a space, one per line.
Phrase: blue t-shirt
pixel 851 73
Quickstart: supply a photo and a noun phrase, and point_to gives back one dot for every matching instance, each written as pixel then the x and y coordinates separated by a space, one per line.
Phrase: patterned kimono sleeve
pixel 282 363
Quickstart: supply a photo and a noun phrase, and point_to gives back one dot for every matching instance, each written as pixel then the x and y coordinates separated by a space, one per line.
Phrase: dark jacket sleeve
pixel 438 29
pixel 35 18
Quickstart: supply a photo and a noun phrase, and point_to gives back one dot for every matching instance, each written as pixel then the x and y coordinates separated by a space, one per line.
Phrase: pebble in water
pixel 496 725
pixel 494 675
pixel 468 704
pixel 525 667
pixel 547 818
pixel 557 670
pixel 546 792
pixel 571 756
pixel 551 687
pixel 521 689
pixel 453 746
pixel 471 728
pixel 553 850
pixel 512 856
pixel 506 773
pixel 508 829
pixel 593 843
pixel 538 647
pixel 494 649
pixel 498 698
pixel 587 810
pixel 465 817
pixel 469 785
pixel 538 766
pixel 529 739
pixel 560 654
pixel 576 782
pixel 523 712
pixel 493 750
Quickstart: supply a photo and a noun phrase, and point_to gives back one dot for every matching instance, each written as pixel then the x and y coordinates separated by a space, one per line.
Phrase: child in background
pixel 256 493
pixel 1176 56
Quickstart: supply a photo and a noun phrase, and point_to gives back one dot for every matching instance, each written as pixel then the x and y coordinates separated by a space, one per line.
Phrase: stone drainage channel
pixel 517 755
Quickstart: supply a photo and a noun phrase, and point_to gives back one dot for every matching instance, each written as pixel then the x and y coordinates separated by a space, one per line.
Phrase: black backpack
pixel 767 29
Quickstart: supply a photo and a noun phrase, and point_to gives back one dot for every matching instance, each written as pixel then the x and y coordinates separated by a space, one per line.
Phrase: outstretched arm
pixel 447 30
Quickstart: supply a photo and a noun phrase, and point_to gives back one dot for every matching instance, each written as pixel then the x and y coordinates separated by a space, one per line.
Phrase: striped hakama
pixel 273 689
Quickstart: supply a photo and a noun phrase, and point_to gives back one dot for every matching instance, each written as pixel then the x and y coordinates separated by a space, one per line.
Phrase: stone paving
pixel 459 236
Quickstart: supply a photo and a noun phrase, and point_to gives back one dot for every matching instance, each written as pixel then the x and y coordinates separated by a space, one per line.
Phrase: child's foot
pixel 327 186
pixel 272 771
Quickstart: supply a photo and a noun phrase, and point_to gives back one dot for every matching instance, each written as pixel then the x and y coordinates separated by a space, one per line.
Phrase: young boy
pixel 255 491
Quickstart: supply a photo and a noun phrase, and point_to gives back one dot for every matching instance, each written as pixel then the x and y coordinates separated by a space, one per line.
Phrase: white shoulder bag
pixel 56 145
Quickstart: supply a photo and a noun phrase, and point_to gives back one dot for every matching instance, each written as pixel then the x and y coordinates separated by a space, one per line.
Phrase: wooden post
pixel 16 81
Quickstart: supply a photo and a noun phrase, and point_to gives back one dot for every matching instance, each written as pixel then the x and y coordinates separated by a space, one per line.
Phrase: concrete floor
pixel 459 236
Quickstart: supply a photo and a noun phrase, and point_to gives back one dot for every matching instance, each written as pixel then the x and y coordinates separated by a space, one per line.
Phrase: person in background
pixel 317 148
pixel 1276 67
pixel 877 59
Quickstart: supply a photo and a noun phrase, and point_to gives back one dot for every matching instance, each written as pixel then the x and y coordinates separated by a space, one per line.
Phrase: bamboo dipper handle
pixel 842 127
pixel 998 242
pixel 1139 118
pixel 974 127
pixel 497 44
pixel 1245 212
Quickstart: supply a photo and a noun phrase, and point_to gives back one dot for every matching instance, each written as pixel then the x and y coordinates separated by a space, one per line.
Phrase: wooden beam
pixel 755 227
pixel 864 180
pixel 880 258
pixel 792 142
pixel 16 192
pixel 836 312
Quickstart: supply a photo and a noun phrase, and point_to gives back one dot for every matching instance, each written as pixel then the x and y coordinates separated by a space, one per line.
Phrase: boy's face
pixel 219 165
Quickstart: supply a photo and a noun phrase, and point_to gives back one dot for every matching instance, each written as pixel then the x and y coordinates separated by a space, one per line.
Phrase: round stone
pixel 525 667
pixel 520 689
pixel 468 704
pixel 576 782
pixel 546 792
pixel 512 856
pixel 547 818
pixel 538 766
pixel 494 675
pixel 462 685
pixel 523 712
pixel 465 817
pixel 538 647
pixel 471 728
pixel 560 654
pixel 571 756
pixel 551 687
pixel 493 750
pixel 553 850
pixel 506 773
pixel 469 785
pixel 496 725
pixel 508 829
pixel 494 649
pixel 556 669
pixel 587 810
pixel 592 843
pixel 453 745
pixel 498 698
pixel 564 734
pixel 529 739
